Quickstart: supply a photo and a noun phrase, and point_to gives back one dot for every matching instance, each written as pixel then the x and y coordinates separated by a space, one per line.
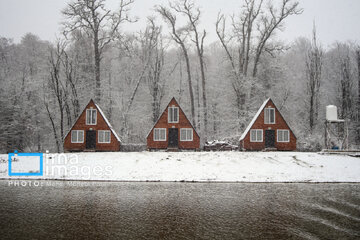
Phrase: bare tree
pixel 187 7
pixel 99 23
pixel 148 42
pixel 154 77
pixel 314 63
pixel 344 67
pixel 53 125
pixel 139 51
pixel 70 71
pixel 179 35
pixel 58 89
pixel 250 36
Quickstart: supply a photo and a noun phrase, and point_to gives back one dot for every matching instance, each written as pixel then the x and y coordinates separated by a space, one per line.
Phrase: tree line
pixel 133 75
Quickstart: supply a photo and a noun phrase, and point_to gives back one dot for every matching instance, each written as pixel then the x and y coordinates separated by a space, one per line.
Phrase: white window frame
pixel 103 132
pixel 160 139
pixel 278 134
pixel 182 137
pixel 267 121
pixel 77 136
pixel 87 116
pixel 257 140
pixel 169 110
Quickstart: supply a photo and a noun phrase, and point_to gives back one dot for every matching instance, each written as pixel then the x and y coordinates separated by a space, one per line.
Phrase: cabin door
pixel 269 138
pixel 90 139
pixel 173 137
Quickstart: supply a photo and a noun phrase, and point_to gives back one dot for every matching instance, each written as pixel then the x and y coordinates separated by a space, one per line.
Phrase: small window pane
pixel 266 118
pixel 80 136
pixel 107 136
pixel 182 134
pixel 93 118
pixel 156 134
pixel 190 134
pixel 170 115
pixel 101 136
pixel 176 114
pixel 286 137
pixel 253 135
pixel 88 116
pixel 259 135
pixel 162 134
pixel 73 136
pixel 272 115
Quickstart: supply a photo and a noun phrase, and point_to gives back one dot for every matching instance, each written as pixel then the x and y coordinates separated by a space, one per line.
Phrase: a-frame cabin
pixel 268 130
pixel 92 132
pixel 173 130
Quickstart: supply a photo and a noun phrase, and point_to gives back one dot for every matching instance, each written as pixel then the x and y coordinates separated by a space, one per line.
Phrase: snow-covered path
pixel 195 166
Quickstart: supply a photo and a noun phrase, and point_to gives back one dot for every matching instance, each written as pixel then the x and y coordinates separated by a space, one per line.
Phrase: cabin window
pixel 159 134
pixel 186 134
pixel 283 136
pixel 90 116
pixel 173 115
pixel 269 115
pixel 104 136
pixel 256 135
pixel 77 136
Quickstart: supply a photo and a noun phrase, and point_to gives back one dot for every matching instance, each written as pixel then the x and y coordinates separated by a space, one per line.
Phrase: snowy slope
pixel 198 166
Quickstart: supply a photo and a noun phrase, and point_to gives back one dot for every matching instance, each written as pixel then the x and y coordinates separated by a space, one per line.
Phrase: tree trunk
pixel 97 59
pixel 110 98
pixel 53 127
pixel 198 121
pixel 311 112
pixel 188 69
pixel 203 83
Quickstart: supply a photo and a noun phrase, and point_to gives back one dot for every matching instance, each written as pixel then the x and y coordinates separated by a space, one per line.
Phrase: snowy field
pixel 192 166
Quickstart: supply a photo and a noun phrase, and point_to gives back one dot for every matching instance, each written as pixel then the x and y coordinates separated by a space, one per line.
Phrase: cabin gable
pixel 268 130
pixel 103 137
pixel 187 137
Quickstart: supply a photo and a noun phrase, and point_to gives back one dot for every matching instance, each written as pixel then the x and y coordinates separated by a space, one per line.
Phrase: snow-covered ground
pixel 193 166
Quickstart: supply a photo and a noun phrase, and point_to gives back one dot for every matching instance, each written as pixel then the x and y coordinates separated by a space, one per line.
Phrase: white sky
pixel 336 20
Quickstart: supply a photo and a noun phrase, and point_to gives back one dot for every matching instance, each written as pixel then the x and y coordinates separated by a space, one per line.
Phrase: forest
pixel 133 75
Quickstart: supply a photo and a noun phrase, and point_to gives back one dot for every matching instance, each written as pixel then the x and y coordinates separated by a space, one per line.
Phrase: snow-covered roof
pixel 107 122
pixel 254 119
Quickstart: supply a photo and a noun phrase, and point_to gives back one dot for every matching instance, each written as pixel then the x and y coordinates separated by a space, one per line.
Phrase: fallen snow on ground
pixel 196 166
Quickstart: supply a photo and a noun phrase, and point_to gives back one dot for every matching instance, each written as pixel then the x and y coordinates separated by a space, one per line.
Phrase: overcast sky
pixel 336 20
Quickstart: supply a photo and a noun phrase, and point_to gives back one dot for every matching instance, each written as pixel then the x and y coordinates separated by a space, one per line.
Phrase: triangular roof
pixel 173 98
pixel 103 116
pixel 256 117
